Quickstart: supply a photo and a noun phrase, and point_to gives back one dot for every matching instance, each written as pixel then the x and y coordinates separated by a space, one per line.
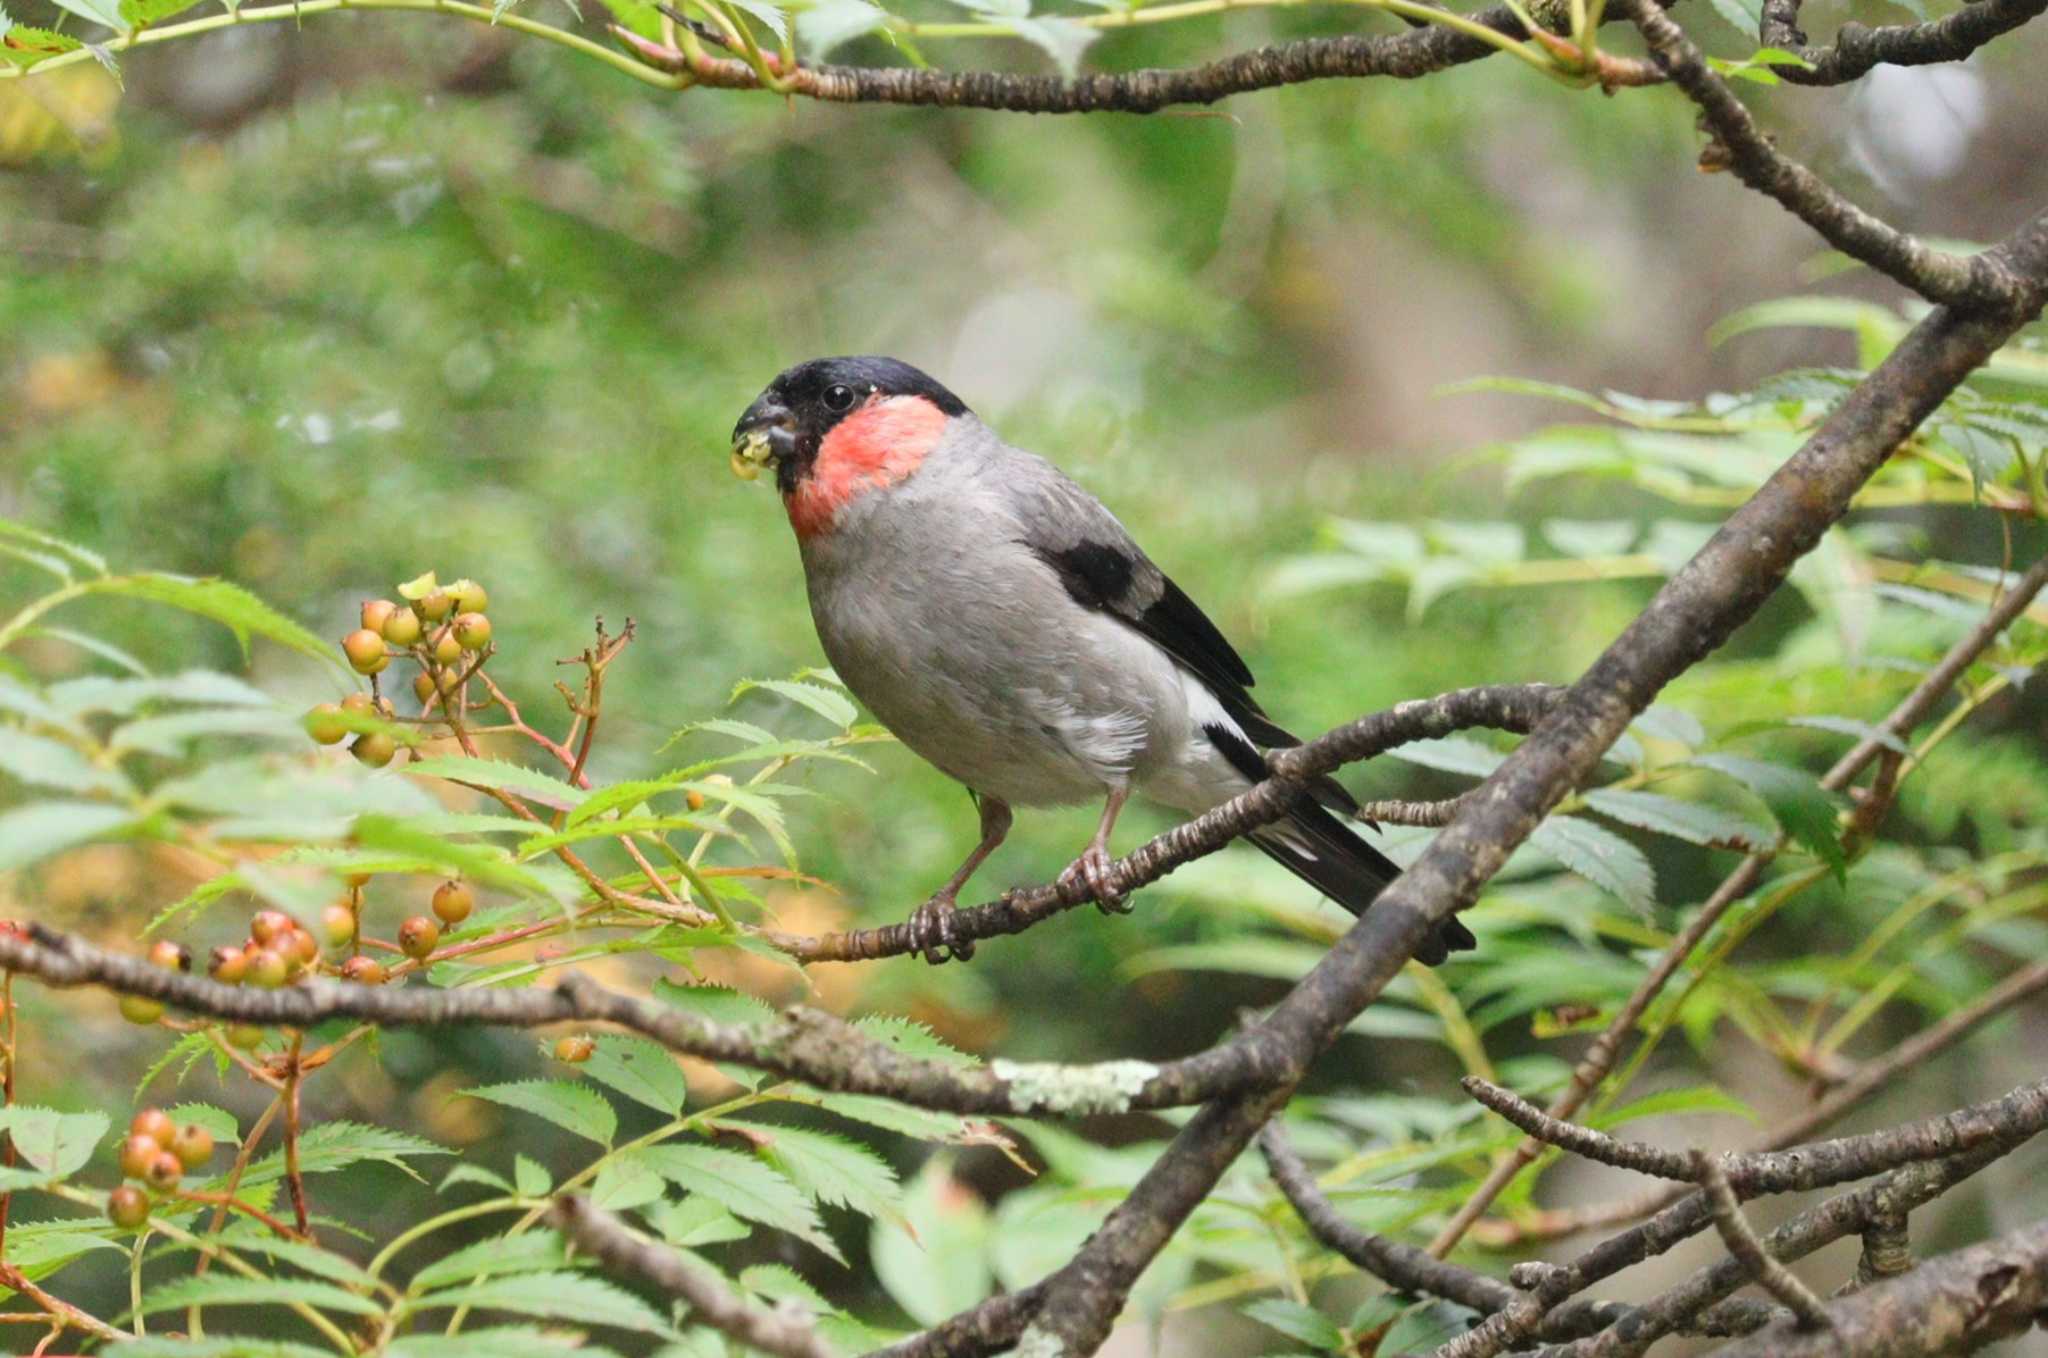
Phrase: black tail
pixel 1318 848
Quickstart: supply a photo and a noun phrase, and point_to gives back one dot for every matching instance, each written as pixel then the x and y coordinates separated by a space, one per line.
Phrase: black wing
pixel 1102 568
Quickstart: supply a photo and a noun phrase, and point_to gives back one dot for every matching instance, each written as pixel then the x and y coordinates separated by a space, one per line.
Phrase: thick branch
pixel 597 1232
pixel 1954 1304
pixel 1857 49
pixel 1721 587
pixel 1593 1067
pixel 1818 1164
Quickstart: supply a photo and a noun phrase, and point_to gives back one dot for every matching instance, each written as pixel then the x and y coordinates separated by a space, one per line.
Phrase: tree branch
pixel 1857 49
pixel 1505 707
pixel 1721 587
pixel 785 1333
pixel 1954 1304
pixel 1976 282
pixel 1593 1067
pixel 1741 1239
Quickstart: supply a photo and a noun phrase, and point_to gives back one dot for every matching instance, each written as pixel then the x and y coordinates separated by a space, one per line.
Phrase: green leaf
pixel 170 734
pixel 642 1070
pixel 573 1107
pixel 534 1252
pixel 625 1183
pixel 55 1144
pixel 496 773
pixel 1600 856
pixel 743 1186
pixel 715 1003
pixel 1060 38
pixel 1689 821
pixel 779 1283
pixel 218 1346
pixel 912 1039
pixel 574 1297
pixel 494 1341
pixel 944 1268
pixel 141 13
pixel 229 1289
pixel 1453 754
pixel 1800 805
pixel 38 761
pixel 1851 727
pixel 890 1115
pixel 30 833
pixel 309 1258
pixel 834 1170
pixel 329 1146
pixel 229 605
pixel 1297 1322
pixel 484 864
pixel 636 16
pixel 1691 1099
pixel 97 11
pixel 533 1180
pixel 219 1122
pixel 831 704
pixel 73 556
pixel 768 15
pixel 467 1173
pixel 695 1220
pixel 834 23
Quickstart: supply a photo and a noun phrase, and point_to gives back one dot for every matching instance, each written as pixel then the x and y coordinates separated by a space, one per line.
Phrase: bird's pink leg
pixel 1093 864
pixel 931 924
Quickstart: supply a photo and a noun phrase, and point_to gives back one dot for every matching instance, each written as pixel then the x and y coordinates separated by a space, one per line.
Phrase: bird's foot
pixel 931 932
pixel 1092 867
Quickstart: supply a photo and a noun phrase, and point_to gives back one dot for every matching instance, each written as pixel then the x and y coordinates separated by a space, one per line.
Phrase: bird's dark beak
pixel 764 436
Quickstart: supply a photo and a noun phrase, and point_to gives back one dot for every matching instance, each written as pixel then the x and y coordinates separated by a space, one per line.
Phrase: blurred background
pixel 318 308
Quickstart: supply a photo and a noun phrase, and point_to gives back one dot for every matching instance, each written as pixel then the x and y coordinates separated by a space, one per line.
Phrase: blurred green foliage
pixel 416 294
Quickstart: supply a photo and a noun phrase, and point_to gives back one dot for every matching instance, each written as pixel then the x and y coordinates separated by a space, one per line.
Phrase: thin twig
pixel 1599 1059
pixel 785 1332
pixel 1741 1239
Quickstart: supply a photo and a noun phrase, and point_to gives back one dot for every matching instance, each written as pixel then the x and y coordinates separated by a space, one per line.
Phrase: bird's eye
pixel 839 397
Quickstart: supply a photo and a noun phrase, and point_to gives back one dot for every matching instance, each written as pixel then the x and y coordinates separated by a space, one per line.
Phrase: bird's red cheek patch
pixel 875 447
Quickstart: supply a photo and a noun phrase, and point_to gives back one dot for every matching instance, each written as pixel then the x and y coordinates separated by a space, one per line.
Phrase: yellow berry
pixel 321 724
pixel 453 902
pixel 472 631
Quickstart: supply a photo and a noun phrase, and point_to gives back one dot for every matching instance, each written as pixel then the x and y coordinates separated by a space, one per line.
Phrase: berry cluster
pixel 443 629
pixel 158 1153
pixel 280 951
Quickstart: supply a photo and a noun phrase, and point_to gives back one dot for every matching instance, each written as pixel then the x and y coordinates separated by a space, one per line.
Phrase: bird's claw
pixel 1092 867
pixel 931 932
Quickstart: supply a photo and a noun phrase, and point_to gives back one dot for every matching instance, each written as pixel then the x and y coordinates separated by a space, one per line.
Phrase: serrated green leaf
pixel 1851 727
pixel 624 1183
pixel 329 1146
pixel 497 773
pixel 229 605
pixel 1453 754
pixel 307 1258
pixel 104 12
pixel 537 1251
pixel 715 1003
pixel 141 13
pixel 573 1107
pixel 833 23
pixel 218 1346
pixel 34 832
pixel 743 1186
pixel 834 1170
pixel 75 557
pixel 574 1297
pixel 219 1122
pixel 533 1180
pixel 231 1289
pixel 1302 1323
pixel 1689 821
pixel 38 761
pixel 830 704
pixel 1600 856
pixel 55 1144
pixel 170 733
pixel 467 1173
pixel 889 1115
pixel 778 1283
pixel 912 1038
pixel 695 1220
pixel 1796 800
pixel 642 1070
pixel 494 1341
pixel 484 864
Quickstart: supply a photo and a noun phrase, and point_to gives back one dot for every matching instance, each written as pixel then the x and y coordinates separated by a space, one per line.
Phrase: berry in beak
pixel 764 436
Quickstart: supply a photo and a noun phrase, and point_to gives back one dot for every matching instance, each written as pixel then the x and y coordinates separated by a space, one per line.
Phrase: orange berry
pixel 138 1153
pixel 127 1207
pixel 365 651
pixel 363 971
pixel 453 901
pixel 193 1145
pixel 376 612
pixel 417 936
pixel 575 1049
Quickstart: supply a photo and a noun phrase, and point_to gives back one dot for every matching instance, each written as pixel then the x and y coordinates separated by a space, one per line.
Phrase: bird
pixel 1002 623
